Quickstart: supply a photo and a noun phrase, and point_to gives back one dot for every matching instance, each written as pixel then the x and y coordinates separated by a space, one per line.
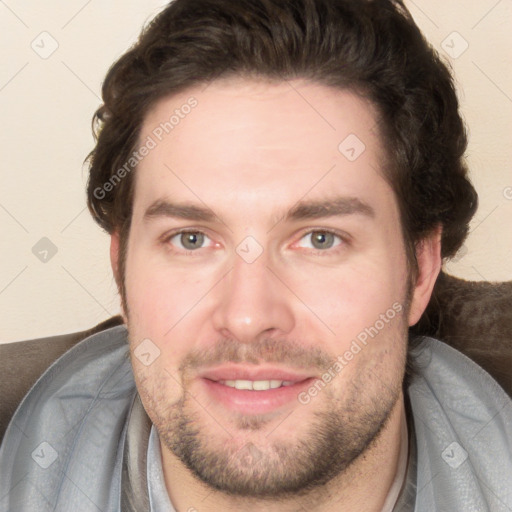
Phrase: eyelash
pixel 169 236
pixel 343 237
pixel 344 242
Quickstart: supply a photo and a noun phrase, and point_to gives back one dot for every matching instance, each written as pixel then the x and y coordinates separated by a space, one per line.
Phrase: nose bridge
pixel 249 279
pixel 252 301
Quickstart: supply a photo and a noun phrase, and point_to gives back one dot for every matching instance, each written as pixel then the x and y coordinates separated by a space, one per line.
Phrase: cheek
pixel 159 388
pixel 164 306
pixel 352 298
pixel 157 295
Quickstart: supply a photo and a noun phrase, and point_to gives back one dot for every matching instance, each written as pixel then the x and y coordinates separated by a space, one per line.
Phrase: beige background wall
pixel 54 272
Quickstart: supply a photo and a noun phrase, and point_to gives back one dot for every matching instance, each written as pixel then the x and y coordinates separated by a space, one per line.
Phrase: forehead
pixel 254 143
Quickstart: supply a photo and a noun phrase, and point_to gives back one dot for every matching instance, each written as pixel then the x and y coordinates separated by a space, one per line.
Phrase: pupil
pixel 192 240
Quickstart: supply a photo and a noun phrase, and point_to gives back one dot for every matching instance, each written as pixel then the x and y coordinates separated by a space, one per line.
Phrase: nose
pixel 252 302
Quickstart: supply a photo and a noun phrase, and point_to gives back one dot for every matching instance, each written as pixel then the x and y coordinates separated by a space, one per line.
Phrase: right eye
pixel 188 240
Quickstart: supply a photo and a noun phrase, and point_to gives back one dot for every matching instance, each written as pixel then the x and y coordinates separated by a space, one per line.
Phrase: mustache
pixel 265 350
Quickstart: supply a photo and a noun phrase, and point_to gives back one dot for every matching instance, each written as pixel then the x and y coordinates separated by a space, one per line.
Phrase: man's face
pixel 292 250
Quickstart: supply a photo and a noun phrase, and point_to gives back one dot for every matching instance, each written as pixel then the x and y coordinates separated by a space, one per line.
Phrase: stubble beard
pixel 339 432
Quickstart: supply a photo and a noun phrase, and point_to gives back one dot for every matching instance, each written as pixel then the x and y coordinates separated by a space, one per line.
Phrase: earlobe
pixel 428 256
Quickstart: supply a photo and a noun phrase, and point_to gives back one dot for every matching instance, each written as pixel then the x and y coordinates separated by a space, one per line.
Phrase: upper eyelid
pixel 344 240
pixel 345 237
pixel 171 235
pixel 308 231
pixel 178 231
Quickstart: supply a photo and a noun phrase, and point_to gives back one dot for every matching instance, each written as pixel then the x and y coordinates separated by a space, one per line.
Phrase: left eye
pixel 189 240
pixel 320 240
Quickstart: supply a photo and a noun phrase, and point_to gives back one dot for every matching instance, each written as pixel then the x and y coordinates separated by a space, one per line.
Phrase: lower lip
pixel 255 402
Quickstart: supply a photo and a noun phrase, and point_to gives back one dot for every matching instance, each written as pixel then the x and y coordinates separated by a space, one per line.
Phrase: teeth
pixel 256 385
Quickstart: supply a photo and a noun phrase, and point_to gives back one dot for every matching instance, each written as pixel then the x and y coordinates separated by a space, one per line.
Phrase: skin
pixel 250 151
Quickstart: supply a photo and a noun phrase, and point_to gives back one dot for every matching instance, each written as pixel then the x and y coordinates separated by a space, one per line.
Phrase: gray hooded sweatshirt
pixel 63 450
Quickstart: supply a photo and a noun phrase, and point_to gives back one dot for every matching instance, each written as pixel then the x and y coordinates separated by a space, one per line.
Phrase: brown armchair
pixel 473 317
pixel 22 362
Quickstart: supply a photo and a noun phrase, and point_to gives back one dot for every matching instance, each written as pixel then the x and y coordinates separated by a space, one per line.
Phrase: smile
pixel 253 390
pixel 256 385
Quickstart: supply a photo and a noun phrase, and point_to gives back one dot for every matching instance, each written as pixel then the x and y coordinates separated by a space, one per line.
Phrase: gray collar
pixel 134 484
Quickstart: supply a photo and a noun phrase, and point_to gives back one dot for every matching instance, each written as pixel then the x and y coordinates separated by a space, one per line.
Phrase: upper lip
pixel 243 372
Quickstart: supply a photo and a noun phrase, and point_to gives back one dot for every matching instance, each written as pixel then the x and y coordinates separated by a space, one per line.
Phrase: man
pixel 281 182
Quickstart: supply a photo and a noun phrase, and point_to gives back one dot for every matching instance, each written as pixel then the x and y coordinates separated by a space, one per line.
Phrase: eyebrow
pixel 303 210
pixel 337 206
pixel 164 208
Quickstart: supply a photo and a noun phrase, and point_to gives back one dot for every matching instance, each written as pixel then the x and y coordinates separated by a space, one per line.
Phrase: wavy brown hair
pixel 372 47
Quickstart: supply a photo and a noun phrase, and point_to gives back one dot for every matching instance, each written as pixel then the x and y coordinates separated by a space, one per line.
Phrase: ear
pixel 114 255
pixel 114 262
pixel 428 256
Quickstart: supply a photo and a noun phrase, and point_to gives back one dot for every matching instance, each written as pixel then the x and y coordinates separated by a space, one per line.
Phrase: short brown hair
pixel 370 46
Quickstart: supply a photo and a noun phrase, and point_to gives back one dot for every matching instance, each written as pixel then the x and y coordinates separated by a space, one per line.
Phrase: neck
pixel 370 484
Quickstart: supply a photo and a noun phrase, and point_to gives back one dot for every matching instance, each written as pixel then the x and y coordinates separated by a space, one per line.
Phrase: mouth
pixel 249 390
pixel 256 385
